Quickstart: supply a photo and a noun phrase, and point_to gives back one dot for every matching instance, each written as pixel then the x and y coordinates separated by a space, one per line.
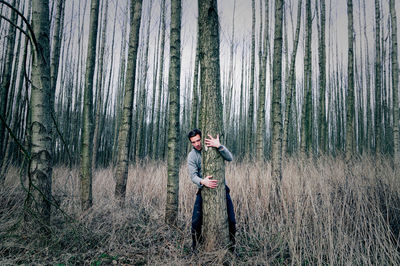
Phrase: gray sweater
pixel 194 163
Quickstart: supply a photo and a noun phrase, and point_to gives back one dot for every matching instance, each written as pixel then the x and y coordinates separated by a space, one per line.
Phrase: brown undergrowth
pixel 325 217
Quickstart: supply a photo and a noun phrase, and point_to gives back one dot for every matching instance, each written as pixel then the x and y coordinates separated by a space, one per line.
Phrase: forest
pixel 97 98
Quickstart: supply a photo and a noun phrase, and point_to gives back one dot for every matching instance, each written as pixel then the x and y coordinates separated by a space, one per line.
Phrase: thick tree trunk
pixel 215 218
pixel 40 168
pixel 171 207
pixel 125 132
pixel 87 126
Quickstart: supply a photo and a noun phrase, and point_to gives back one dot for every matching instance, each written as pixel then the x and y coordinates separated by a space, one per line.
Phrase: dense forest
pixel 97 98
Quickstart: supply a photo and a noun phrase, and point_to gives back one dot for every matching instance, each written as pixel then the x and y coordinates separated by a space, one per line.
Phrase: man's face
pixel 196 142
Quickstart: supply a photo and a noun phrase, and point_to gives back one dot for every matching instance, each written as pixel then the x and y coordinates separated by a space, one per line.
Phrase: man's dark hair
pixel 194 132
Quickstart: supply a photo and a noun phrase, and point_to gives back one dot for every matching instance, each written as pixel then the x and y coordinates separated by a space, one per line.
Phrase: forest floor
pixel 327 217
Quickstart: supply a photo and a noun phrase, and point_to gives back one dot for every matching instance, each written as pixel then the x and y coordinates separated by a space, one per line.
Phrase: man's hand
pixel 211 142
pixel 208 182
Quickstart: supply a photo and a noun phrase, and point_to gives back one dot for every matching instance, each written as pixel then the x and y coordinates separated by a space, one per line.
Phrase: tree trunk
pixel 171 208
pixel 306 121
pixel 156 143
pixel 322 83
pixel 276 148
pixel 395 81
pixel 40 168
pixel 124 137
pixel 87 133
pixel 215 218
pixel 100 86
pixel 350 85
pixel 378 80
pixel 6 79
pixel 290 84
pixel 250 121
pixel 262 91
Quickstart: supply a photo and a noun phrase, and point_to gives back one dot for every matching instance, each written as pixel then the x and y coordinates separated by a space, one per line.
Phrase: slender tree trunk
pixel 215 218
pixel 100 86
pixel 87 119
pixel 262 91
pixel 395 81
pixel 276 148
pixel 156 144
pixel 306 121
pixel 378 80
pixel 195 101
pixel 322 83
pixel 125 132
pixel 40 168
pixel 290 84
pixel 6 79
pixel 350 85
pixel 250 121
pixel 171 207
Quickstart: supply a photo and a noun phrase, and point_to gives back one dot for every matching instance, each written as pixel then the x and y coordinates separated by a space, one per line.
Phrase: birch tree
pixel 276 148
pixel 125 132
pixel 171 207
pixel 395 81
pixel 87 123
pixel 350 110
pixel 263 82
pixel 40 168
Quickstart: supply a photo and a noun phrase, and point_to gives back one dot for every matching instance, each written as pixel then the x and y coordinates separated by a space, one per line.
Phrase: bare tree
pixel 40 168
pixel 215 218
pixel 350 85
pixel 276 154
pixel 395 81
pixel 125 132
pixel 171 208
pixel 87 132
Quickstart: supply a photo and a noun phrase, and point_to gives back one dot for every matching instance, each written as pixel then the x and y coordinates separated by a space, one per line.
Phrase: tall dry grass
pixel 326 218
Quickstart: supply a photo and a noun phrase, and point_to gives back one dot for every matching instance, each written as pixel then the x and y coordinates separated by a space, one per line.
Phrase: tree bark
pixel 262 91
pixel 322 83
pixel 6 79
pixel 250 121
pixel 290 84
pixel 395 81
pixel 215 218
pixel 87 126
pixel 350 85
pixel 171 208
pixel 40 168
pixel 125 132
pixel 156 143
pixel 276 148
pixel 378 80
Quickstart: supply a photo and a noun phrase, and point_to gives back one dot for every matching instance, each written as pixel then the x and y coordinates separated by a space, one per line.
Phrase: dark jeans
pixel 197 218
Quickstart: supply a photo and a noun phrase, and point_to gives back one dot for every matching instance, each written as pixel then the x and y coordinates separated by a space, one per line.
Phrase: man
pixel 194 167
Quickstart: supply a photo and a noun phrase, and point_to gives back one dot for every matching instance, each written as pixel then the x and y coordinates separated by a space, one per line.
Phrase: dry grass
pixel 325 218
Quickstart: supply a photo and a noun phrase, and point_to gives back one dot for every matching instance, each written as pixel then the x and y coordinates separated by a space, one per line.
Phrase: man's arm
pixel 194 170
pixel 225 153
pixel 195 174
